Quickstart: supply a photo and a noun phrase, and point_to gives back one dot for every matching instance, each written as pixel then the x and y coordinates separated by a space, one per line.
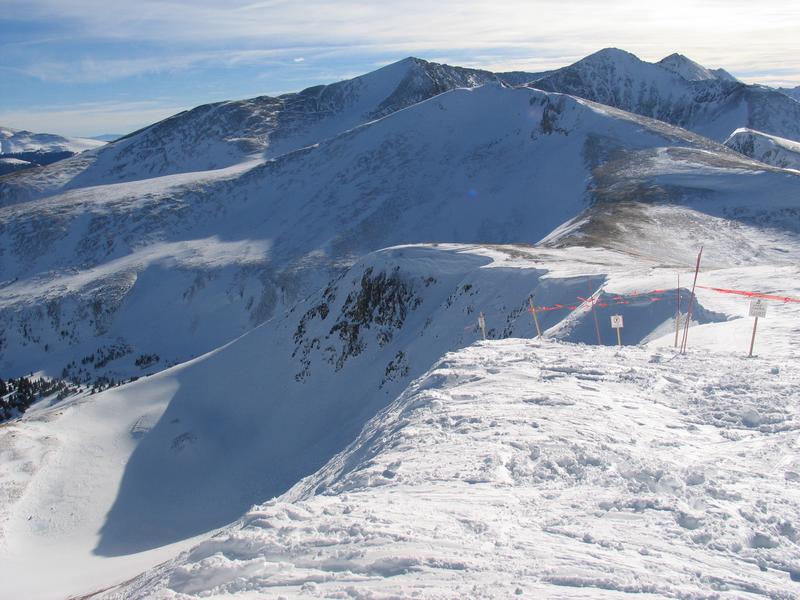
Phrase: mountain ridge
pixel 711 107
pixel 259 238
pixel 223 134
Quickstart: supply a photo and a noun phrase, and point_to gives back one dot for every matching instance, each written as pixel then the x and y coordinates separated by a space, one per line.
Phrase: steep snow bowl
pixel 646 316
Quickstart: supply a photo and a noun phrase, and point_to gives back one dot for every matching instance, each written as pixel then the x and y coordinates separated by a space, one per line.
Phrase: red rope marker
pixel 784 299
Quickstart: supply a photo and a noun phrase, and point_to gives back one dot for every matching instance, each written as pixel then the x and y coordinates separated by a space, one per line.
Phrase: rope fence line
pixel 603 299
pixel 658 295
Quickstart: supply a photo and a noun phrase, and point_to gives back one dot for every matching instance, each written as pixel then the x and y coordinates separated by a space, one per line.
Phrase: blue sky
pixel 87 67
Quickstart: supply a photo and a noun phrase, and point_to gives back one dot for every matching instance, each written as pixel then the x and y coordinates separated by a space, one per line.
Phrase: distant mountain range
pixel 20 149
pixel 108 137
pixel 678 91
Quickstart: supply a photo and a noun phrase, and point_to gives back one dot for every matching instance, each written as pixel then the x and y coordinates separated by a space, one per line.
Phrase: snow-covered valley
pixel 296 285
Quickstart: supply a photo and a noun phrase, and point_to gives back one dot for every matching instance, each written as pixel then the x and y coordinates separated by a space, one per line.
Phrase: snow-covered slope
pixel 216 136
pixel 529 469
pixel 520 77
pixel 83 270
pixel 111 480
pixel 664 202
pixel 713 107
pixel 768 149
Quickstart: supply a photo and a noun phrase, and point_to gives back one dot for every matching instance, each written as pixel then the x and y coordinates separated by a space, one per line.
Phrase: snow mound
pixel 768 149
pixel 523 468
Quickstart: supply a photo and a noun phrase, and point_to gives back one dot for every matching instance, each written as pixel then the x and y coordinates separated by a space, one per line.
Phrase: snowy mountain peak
pixel 225 134
pixel 611 55
pixel 793 93
pixel 678 91
pixel 686 67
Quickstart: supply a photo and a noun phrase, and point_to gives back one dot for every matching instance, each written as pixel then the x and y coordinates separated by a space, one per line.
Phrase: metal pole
pixel 535 318
pixel 691 302
pixel 594 313
pixel 678 312
pixel 619 338
pixel 753 339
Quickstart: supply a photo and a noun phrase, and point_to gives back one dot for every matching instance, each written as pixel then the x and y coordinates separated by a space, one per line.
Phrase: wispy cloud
pixel 719 32
pixel 91 118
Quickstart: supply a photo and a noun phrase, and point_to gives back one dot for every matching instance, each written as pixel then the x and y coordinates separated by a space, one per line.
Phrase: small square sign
pixel 758 308
pixel 616 321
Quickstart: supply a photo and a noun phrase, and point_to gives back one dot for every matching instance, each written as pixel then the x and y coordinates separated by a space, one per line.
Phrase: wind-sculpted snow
pixel 216 136
pixel 76 276
pixel 520 468
pixel 768 149
pixel 674 92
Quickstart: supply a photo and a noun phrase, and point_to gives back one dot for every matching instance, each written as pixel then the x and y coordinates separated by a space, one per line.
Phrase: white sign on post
pixel 616 323
pixel 758 308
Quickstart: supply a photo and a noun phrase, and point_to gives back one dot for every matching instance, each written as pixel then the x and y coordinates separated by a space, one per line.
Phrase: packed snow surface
pixel 536 469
